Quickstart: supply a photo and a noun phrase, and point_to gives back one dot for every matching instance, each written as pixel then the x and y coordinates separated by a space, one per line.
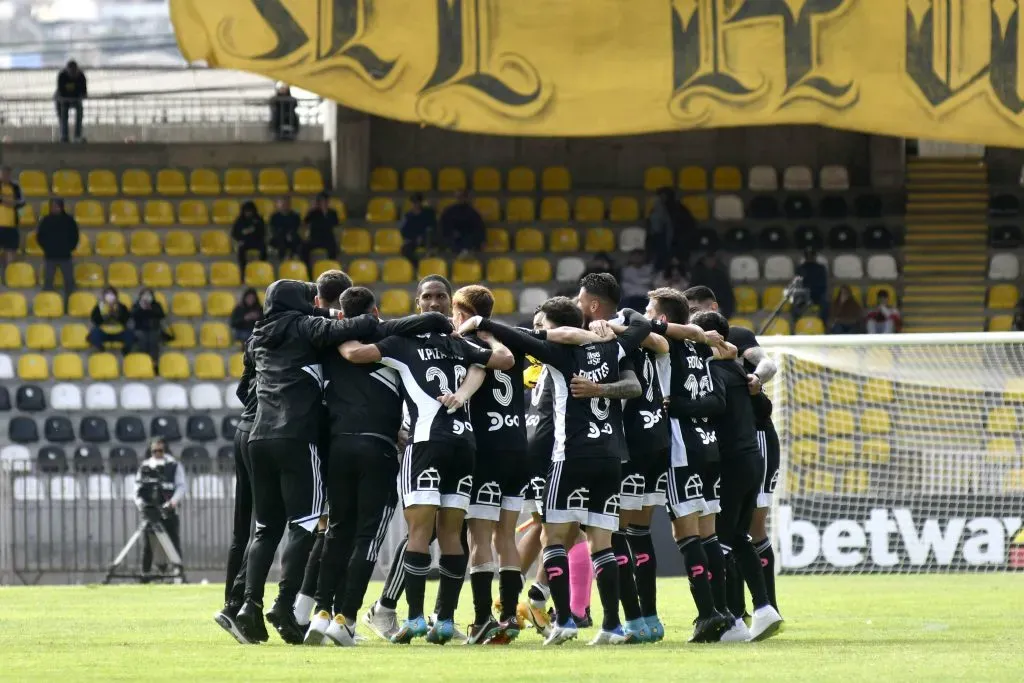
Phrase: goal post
pixel 900 453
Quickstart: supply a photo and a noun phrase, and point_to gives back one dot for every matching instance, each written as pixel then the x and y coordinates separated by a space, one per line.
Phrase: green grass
pixel 892 628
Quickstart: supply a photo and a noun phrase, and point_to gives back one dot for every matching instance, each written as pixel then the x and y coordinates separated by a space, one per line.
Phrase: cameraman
pixel 160 488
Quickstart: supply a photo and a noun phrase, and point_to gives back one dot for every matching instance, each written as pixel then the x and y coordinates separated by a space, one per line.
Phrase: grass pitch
pixel 891 628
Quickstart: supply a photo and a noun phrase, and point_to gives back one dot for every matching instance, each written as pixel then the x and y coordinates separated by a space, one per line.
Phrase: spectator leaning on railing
pixel 71 90
pixel 58 237
pixel 284 120
pixel 11 201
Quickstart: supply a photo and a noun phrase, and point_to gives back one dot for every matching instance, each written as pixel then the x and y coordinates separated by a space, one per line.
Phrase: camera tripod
pixel 164 553
pixel 794 294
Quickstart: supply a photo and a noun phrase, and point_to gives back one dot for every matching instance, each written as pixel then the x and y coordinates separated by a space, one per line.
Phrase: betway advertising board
pixel 827 534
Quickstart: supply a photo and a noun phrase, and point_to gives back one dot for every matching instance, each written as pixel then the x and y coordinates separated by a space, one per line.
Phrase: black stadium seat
pixel 878 237
pixel 868 206
pixel 87 458
pixel 196 459
pixel 1004 237
pixel 1004 205
pixel 707 240
pixel 797 206
pixel 129 429
pixel 52 460
pixel 226 458
pixel 30 398
pixel 123 460
pixel 166 427
pixel 833 207
pixel 5 399
pixel 58 429
pixel 740 240
pixel 22 429
pixel 763 208
pixel 773 237
pixel 200 428
pixel 93 429
pixel 228 426
pixel 842 237
pixel 808 236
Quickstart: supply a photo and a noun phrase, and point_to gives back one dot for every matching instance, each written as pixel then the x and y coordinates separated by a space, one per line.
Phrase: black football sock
pixel 627 586
pixel 453 574
pixel 716 572
pixel 480 579
pixel 394 584
pixel 645 567
pixel 416 567
pixel 312 573
pixel 556 566
pixel 767 555
pixel 750 567
pixel 510 585
pixel 607 575
pixel 696 562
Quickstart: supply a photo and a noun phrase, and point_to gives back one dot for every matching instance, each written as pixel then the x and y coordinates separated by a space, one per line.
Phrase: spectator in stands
pixel 670 229
pixel 245 315
pixel 284 230
pixel 462 226
pixel 815 277
pixel 637 280
pixel 710 272
pixel 885 318
pixel 11 201
pixel 58 237
pixel 419 228
pixel 673 276
pixel 602 263
pixel 250 232
pixel 148 318
pixel 110 322
pixel 284 119
pixel 71 90
pixel 847 313
pixel 321 221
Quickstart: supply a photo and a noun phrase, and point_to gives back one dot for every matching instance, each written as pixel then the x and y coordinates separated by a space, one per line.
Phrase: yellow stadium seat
pixel 555 179
pixel 536 270
pixel 225 274
pixel 486 179
pixel 184 336
pixel 417 180
pixel 40 337
pixel 590 209
pixel 32 366
pixel 293 270
pixel 856 481
pixel 13 305
pixel 1003 297
pixel 193 212
pixel 501 270
pixel 497 241
pixel 553 209
pixel 808 391
pixel 839 423
pixel 174 365
pixel 102 183
pixel 877 390
pixel 839 451
pixel 84 247
pixel 225 211
pixel 504 301
pixel 804 452
pixel 239 181
pixel 779 326
pixel 215 336
pixel 73 337
pixel 204 181
pixel 395 302
pixel 124 212
pixel 319 267
pixel 265 207
pixel 842 391
pixel 339 207
pixel 136 182
pixel 697 204
pixel 657 177
pixel 32 247
pixel 48 305
pixel 103 366
pixel 564 240
pixel 89 213
pixel 432 266
pixel 521 210
pixel 467 272
pixel 26 216
pixel 236 365
pixel 451 179
pixel 1002 450
pixel 1003 420
pixel 693 178
pixel 810 325
pixel 68 366
pixel 145 243
pixel 80 304
pixel 156 274
pixel 772 297
pixel 214 243
pixel 599 239
pixel 186 305
pixel 819 481
pixel 746 299
pixel 874 290
pixel 364 271
pixel 138 366
pixel 522 179
pixel 190 274
pixel 307 180
pixel 67 183
pixel 170 182
pixel 876 450
pixel 874 421
pixel 488 208
pixel 383 179
pixel 180 243
pixel 34 184
pixel 997 323
pixel 529 240
pixel 356 241
pixel 806 423
pixel 397 271
pixel 387 241
pixel 220 304
pixel 159 212
pixel 624 210
pixel 10 336
pixel 727 178
pixel 110 244
pixel 258 274
pixel 381 210
pixel 20 276
pixel 1015 480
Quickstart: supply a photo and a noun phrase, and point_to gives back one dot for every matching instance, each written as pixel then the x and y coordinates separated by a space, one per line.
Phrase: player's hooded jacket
pixel 246 391
pixel 285 346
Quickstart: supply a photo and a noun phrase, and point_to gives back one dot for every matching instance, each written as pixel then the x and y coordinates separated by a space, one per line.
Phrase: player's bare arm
pixel 628 386
pixel 764 370
pixel 474 380
pixel 359 353
pixel 574 336
pixel 654 342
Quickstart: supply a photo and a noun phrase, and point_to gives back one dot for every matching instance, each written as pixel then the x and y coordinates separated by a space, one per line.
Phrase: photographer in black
pixel 160 488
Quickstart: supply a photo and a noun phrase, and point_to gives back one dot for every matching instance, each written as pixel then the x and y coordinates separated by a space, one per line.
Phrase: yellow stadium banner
pixel 941 69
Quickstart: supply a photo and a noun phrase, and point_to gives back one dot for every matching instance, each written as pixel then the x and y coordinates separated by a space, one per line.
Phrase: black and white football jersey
pixel 429 366
pixel 540 417
pixel 694 402
pixel 497 409
pixel 643 419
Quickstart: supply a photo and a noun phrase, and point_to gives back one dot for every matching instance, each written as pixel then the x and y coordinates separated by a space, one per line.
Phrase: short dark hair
pixel 474 300
pixel 712 321
pixel 331 284
pixel 671 303
pixel 603 286
pixel 562 311
pixel 434 278
pixel 416 197
pixel 700 294
pixel 356 301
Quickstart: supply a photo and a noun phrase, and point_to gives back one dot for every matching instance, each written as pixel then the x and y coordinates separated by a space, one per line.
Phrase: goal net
pixel 900 453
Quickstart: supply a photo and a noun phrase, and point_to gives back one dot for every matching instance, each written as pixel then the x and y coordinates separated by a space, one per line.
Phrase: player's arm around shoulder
pixel 359 353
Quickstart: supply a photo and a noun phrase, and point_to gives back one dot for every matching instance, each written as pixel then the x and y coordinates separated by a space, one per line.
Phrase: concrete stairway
pixel 946 252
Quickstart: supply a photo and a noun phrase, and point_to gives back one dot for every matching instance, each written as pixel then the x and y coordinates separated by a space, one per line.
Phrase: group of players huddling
pixel 346 416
